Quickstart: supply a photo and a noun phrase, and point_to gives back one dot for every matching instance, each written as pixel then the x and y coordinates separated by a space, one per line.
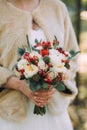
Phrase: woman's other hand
pixel 39 98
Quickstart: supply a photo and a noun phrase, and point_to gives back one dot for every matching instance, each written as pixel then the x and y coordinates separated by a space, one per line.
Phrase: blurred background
pixel 78 109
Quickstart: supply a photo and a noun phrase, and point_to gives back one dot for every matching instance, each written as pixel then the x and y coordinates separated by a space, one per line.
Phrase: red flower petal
pixel 44 52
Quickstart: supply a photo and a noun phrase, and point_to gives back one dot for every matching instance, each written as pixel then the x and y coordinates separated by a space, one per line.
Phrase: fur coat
pixel 52 16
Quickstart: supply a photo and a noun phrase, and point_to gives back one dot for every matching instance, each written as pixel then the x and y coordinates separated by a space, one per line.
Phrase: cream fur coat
pixel 53 18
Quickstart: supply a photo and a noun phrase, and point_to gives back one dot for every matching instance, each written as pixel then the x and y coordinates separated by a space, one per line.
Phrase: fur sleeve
pixel 4 75
pixel 60 100
pixel 70 44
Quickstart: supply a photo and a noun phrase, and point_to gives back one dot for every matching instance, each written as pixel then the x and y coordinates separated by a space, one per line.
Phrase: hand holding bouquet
pixel 43 66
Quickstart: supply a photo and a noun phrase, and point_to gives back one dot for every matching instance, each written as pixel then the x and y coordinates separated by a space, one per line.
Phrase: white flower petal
pixel 22 63
pixel 30 70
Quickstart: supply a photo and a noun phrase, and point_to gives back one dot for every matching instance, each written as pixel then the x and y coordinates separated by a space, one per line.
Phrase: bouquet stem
pixel 39 110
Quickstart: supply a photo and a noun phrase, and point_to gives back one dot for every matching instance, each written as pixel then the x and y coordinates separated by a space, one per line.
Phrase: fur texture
pixel 53 18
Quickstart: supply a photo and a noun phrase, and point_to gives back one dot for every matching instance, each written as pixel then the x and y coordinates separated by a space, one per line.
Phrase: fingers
pixel 41 98
pixel 39 102
pixel 44 93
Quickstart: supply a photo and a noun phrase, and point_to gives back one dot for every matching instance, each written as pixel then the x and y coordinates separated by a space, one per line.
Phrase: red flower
pixel 59 77
pixel 46 44
pixel 48 80
pixel 26 56
pixel 35 57
pixel 44 52
pixel 59 49
pixel 54 42
pixel 42 73
pixel 22 71
pixel 17 69
pixel 65 61
pixel 49 65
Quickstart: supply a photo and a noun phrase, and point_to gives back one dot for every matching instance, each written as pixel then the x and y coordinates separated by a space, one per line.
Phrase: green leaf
pixel 46 59
pixel 39 110
pixel 45 85
pixel 29 47
pixel 57 43
pixel 14 66
pixel 37 42
pixel 73 53
pixel 55 81
pixel 60 86
pixel 21 51
pixel 67 65
pixel 36 77
pixel 34 86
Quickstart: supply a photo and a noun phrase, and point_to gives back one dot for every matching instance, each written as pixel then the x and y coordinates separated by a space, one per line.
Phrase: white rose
pixel 42 65
pixel 30 70
pixel 21 64
pixel 53 52
pixel 59 69
pixel 56 60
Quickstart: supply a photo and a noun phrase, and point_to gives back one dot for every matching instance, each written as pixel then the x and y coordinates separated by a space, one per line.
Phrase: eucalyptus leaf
pixel 60 86
pixel 14 66
pixel 45 85
pixel 56 44
pixel 29 47
pixel 46 59
pixel 21 51
pixel 73 54
pixel 34 86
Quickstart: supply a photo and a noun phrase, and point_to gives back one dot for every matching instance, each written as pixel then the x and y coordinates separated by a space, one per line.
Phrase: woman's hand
pixel 40 98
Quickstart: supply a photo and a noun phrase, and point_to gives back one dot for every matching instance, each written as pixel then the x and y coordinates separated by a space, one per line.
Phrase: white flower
pixel 56 60
pixel 30 70
pixel 17 73
pixel 42 65
pixel 53 52
pixel 59 69
pixel 21 64
pixel 39 48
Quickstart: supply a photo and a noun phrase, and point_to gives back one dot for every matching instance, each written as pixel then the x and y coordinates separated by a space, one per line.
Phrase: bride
pixel 41 19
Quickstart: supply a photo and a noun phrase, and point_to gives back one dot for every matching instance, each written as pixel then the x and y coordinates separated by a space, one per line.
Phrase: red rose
pixel 44 52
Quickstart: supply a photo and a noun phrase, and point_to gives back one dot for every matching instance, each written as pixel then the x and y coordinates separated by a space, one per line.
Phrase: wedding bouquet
pixel 43 66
